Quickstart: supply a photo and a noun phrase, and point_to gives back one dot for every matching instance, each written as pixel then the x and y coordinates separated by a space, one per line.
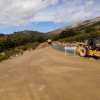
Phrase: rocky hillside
pixel 79 26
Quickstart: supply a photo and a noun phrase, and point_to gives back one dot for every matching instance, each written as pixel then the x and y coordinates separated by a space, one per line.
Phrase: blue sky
pixel 44 15
pixel 34 26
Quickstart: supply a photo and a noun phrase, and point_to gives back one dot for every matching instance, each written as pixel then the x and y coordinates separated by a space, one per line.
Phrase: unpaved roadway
pixel 47 74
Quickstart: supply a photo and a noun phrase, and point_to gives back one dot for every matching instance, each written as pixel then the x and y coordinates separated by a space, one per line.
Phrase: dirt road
pixel 47 74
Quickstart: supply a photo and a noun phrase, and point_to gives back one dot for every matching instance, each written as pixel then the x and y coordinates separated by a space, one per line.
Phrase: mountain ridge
pixel 81 26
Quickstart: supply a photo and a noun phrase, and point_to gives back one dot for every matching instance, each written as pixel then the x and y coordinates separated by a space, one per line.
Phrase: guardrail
pixel 70 48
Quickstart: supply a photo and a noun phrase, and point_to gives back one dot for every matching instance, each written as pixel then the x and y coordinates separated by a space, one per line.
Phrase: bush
pixel 35 44
pixel 81 37
pixel 56 37
pixel 3 58
pixel 66 34
pixel 24 48
pixel 99 28
pixel 40 39
pixel 11 52
pixel 90 29
pixel 19 39
pixel 30 45
pixel 0 55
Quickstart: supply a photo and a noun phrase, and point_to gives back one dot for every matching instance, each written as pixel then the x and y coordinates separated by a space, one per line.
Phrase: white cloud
pixel 73 2
pixel 72 18
pixel 63 0
pixel 78 11
pixel 80 16
pixel 36 23
pixel 67 13
pixel 19 12
pixel 44 15
pixel 23 12
pixel 88 3
pixel 54 1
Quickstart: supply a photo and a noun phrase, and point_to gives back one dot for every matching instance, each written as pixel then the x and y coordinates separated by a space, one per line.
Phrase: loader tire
pixel 83 52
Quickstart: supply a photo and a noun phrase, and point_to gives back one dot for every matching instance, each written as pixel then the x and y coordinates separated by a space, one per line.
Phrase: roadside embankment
pixel 66 44
pixel 18 51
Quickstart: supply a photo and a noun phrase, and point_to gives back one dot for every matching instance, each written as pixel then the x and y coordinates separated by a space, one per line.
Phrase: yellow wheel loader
pixel 49 41
pixel 90 47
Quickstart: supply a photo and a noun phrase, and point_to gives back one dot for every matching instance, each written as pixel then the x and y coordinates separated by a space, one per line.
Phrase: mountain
pixel 26 32
pixel 78 26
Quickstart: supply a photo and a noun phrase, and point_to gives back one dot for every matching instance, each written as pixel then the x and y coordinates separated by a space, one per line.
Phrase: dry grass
pixel 62 44
pixel 42 45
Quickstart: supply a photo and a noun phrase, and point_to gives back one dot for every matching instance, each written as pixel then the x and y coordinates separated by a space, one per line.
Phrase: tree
pixel 2 35
pixel 56 37
pixel 40 39
pixel 90 29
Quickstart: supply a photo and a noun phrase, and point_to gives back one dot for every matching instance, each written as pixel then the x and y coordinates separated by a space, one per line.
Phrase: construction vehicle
pixel 91 47
pixel 49 41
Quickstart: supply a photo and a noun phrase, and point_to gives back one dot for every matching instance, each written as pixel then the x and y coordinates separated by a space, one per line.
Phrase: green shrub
pixel 90 29
pixel 24 48
pixel 11 52
pixel 0 55
pixel 3 58
pixel 81 37
pixel 35 44
pixel 20 39
pixel 30 45
pixel 40 39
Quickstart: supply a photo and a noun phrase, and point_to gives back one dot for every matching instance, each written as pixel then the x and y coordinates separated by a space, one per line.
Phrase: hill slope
pixel 78 26
pixel 27 33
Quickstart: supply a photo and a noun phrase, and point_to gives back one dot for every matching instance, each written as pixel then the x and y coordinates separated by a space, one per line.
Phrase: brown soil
pixel 47 74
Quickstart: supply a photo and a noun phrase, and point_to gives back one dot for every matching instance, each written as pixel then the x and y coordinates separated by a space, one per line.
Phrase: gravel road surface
pixel 47 74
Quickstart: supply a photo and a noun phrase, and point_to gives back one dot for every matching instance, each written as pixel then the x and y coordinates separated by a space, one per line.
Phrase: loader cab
pixel 92 43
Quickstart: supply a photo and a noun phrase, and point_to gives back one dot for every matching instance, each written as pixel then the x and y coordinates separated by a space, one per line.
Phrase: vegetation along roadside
pixel 18 42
